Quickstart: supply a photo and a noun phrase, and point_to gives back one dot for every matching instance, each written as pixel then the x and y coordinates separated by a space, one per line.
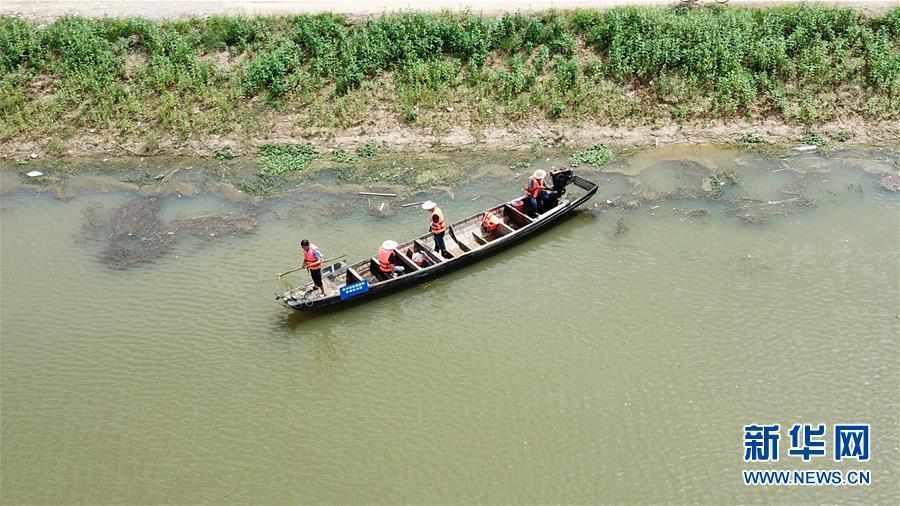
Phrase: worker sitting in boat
pixel 489 223
pixel 534 192
pixel 387 260
pixel 438 227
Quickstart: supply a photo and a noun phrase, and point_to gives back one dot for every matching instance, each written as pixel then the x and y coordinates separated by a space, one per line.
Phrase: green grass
pixel 595 156
pixel 803 64
pixel 282 159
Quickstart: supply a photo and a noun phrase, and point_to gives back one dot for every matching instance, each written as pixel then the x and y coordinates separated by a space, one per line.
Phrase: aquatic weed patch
pixel 367 150
pixel 595 156
pixel 282 159
pixel 813 138
pixel 261 185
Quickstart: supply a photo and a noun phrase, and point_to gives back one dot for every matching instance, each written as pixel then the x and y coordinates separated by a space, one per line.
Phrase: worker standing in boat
pixel 312 260
pixel 438 227
pixel 386 259
pixel 534 192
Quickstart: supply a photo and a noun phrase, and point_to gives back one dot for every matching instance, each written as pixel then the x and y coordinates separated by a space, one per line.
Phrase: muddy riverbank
pixel 399 138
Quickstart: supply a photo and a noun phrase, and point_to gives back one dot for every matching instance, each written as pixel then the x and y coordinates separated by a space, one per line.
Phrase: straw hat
pixel 540 173
pixel 389 245
pixel 428 205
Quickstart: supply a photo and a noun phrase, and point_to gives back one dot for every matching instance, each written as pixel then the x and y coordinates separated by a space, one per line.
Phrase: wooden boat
pixel 465 241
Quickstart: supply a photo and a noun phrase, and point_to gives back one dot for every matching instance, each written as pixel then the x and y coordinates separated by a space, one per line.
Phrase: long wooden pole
pixel 372 194
pixel 285 273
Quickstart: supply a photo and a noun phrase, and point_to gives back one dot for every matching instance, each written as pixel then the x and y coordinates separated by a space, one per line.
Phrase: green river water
pixel 614 358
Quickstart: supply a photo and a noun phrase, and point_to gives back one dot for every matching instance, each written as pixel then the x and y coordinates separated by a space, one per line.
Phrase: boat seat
pixel 506 229
pixel 408 263
pixel 376 270
pixel 520 218
pixel 480 240
pixel 463 246
pixel 353 276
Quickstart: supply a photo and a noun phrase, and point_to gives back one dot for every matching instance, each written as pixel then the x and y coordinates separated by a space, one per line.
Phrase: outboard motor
pixel 560 179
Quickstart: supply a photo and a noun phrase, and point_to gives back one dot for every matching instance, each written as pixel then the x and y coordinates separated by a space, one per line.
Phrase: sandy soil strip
pixel 159 9
pixel 542 133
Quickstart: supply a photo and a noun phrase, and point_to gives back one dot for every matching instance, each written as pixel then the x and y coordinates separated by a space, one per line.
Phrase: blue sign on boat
pixel 350 291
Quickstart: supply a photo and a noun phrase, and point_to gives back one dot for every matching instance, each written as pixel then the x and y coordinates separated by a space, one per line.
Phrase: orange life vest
pixel 489 222
pixel 535 186
pixel 309 258
pixel 437 226
pixel 384 260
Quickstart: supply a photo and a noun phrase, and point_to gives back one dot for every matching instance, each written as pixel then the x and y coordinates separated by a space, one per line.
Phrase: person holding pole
pixel 312 260
pixel 437 226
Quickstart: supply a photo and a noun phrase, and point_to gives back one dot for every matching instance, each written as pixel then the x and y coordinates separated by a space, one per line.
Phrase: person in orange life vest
pixel 386 259
pixel 489 222
pixel 534 192
pixel 437 226
pixel 312 260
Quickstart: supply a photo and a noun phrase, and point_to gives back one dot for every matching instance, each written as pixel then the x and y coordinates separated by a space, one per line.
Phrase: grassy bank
pixel 133 78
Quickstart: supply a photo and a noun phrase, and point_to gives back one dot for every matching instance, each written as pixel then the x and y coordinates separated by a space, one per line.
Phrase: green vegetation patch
pixel 595 156
pixel 283 159
pixel 813 138
pixel 627 65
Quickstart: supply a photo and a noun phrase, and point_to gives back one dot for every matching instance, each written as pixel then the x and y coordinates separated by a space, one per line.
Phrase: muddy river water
pixel 614 358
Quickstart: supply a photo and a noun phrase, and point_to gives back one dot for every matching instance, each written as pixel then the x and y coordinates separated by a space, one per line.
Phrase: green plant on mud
pixel 261 185
pixel 283 159
pixel 595 156
pixel 224 154
pixel 813 138
pixel 627 65
pixel 401 174
pixel 367 150
pixel 751 138
pixel 841 135
pixel 341 155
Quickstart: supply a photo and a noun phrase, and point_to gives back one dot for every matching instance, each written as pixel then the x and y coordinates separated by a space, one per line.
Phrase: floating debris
pixel 891 182
pixel 167 175
pixel 34 173
pixel 803 148
pixel 621 228
pixel 214 226
pixel 757 213
pixel 691 213
pixel 134 233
